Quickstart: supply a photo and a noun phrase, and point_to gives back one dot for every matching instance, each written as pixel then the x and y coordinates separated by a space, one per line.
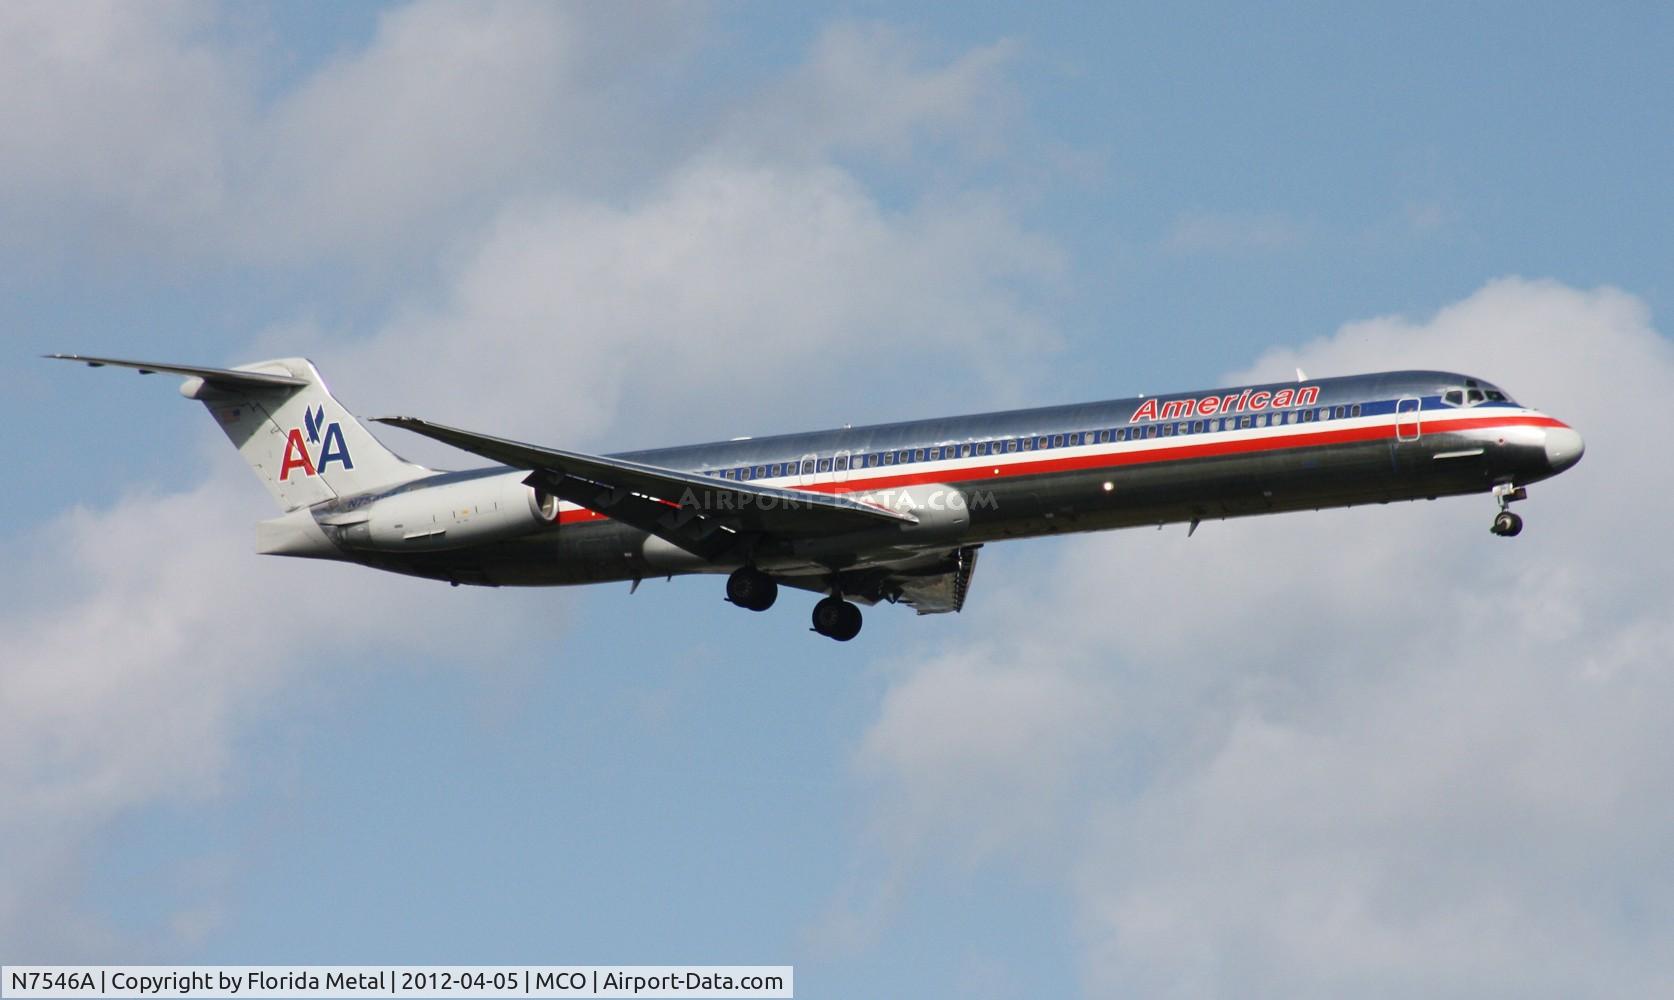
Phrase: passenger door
pixel 1408 423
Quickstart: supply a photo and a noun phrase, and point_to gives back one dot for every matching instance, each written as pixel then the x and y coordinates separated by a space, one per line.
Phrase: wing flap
pixel 931 583
pixel 941 590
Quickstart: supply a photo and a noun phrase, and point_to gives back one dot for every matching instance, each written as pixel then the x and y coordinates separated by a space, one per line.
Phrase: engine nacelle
pixel 446 515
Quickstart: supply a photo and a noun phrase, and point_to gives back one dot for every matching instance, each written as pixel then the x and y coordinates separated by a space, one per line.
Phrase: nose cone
pixel 1564 448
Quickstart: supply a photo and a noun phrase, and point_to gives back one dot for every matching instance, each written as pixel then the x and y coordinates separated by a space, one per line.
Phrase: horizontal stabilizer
pixel 214 376
pixel 300 441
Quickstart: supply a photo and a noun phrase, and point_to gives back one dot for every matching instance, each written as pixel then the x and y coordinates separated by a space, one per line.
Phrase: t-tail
pixel 300 441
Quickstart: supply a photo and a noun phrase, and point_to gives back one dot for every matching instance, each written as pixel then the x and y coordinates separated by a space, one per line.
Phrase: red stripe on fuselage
pixel 1124 455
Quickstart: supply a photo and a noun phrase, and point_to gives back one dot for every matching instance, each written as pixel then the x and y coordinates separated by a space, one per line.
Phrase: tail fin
pixel 301 442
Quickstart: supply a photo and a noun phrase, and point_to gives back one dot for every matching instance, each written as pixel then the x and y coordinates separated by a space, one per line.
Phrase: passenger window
pixel 1011 445
pixel 825 465
pixel 1354 411
pixel 1057 440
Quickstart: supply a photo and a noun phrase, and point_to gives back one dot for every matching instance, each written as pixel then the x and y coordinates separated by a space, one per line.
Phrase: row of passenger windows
pixel 1006 446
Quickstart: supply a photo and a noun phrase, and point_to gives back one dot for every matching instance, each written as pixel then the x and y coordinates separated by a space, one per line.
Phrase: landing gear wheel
pixel 752 589
pixel 837 619
pixel 1507 524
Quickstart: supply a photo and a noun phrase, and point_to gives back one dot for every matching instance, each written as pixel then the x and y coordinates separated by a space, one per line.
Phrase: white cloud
pixel 116 113
pixel 730 292
pixel 870 88
pixel 150 128
pixel 150 633
pixel 731 284
pixel 1370 752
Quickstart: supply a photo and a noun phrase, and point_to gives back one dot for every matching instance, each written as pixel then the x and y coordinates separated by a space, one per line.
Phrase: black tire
pixel 752 589
pixel 849 625
pixel 837 619
pixel 1507 524
pixel 828 616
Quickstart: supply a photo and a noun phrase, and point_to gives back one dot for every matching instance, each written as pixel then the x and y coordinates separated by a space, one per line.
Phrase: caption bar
pixel 411 981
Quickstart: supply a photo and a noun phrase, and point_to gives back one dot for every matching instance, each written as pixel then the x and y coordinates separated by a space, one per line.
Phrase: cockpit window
pixel 1472 395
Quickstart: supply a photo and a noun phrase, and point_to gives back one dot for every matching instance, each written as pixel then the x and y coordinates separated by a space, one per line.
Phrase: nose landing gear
pixel 1507 524
pixel 837 619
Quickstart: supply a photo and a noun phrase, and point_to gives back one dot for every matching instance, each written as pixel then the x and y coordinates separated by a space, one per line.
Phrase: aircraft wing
pixel 701 514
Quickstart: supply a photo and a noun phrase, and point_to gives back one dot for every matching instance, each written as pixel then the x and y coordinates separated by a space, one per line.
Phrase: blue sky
pixel 1369 752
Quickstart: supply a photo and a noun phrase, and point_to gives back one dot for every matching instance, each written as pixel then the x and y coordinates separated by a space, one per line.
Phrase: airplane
pixel 861 515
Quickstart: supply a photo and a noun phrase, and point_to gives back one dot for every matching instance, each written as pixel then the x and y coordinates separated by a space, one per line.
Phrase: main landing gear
pixel 750 588
pixel 834 617
pixel 837 619
pixel 1507 524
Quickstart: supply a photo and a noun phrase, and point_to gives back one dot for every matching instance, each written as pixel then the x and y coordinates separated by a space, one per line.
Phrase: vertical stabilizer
pixel 301 442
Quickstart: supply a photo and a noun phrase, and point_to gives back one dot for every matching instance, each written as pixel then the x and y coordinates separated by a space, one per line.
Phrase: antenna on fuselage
pixel 1301 376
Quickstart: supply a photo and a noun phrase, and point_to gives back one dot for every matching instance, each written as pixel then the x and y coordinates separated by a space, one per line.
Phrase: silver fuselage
pixel 1183 458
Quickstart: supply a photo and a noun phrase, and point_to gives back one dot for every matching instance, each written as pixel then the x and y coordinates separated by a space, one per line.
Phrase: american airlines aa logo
pixel 331 449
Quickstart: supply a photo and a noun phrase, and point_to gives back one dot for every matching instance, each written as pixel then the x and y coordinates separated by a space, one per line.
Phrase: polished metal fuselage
pixel 1178 458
